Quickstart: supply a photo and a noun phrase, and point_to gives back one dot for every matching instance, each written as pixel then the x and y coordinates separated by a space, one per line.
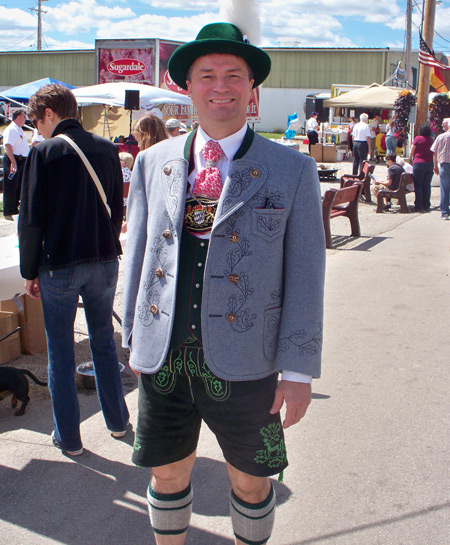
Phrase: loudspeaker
pixel 132 100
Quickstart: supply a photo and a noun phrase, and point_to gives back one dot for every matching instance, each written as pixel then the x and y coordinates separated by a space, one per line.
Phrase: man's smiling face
pixel 220 86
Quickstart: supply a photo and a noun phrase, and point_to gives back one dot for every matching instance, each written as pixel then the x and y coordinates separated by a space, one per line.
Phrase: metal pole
pixel 424 73
pixel 409 78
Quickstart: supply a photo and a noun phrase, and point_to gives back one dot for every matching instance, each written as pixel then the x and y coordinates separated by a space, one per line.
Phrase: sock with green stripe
pixel 253 522
pixel 170 514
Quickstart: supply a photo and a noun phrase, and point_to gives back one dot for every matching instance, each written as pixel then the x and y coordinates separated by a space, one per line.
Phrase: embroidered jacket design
pixel 236 302
pixel 302 342
pixel 240 182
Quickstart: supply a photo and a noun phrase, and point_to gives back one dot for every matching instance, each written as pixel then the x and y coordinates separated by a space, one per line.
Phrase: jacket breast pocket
pixel 268 223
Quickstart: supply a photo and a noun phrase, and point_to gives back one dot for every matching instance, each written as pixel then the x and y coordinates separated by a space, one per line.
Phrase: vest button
pixel 167 171
pixel 159 272
pixel 193 326
pixel 202 244
pixel 166 233
pixel 195 306
pixel 199 264
pixel 233 278
pixel 154 309
pixel 255 173
pixel 197 285
pixel 231 318
pixel 234 237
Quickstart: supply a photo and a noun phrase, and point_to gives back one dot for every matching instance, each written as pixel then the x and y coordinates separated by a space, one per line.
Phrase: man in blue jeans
pixel 69 247
pixel 441 160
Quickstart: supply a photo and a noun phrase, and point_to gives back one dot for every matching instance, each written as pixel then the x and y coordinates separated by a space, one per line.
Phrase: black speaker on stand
pixel 132 102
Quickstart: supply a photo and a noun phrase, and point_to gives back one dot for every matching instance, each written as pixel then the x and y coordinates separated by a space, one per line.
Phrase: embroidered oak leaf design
pixel 297 339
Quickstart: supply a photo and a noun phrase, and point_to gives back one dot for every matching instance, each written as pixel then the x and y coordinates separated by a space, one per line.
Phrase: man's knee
pixel 172 478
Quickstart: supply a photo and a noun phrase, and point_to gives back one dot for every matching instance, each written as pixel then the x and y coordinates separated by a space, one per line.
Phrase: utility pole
pixel 409 78
pixel 424 73
pixel 39 12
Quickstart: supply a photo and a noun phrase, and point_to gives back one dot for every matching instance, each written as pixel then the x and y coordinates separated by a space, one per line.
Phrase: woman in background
pixel 391 140
pixel 148 131
pixel 422 167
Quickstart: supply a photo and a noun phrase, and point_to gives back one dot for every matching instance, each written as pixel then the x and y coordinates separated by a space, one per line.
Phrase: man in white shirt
pixel 362 143
pixel 16 148
pixel 223 288
pixel 312 127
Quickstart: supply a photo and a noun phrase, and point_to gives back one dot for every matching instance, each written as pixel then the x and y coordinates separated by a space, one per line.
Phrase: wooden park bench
pixel 398 194
pixel 341 202
pixel 363 176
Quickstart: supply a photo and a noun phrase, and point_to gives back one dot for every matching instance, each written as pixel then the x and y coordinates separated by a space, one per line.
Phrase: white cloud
pixel 82 16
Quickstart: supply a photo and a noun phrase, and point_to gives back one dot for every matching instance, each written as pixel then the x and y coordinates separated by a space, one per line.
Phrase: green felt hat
pixel 218 38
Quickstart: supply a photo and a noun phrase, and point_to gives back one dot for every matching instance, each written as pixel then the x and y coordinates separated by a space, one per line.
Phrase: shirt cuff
pixel 296 377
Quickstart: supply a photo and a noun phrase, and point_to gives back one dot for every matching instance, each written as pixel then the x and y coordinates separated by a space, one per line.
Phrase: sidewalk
pixel 368 465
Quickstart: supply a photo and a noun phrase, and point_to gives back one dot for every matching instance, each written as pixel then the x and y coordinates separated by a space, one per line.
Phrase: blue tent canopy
pixel 23 92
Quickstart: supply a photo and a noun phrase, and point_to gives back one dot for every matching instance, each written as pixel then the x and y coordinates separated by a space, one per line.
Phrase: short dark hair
pixel 58 98
pixel 16 114
pixel 391 157
pixel 424 130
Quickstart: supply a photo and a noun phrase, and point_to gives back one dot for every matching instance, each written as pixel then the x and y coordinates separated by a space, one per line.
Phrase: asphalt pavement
pixel 369 464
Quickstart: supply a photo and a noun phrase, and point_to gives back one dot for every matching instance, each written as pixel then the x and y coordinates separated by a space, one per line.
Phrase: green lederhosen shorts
pixel 174 401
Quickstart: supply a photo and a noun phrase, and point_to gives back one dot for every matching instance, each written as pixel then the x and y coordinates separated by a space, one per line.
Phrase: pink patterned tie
pixel 208 182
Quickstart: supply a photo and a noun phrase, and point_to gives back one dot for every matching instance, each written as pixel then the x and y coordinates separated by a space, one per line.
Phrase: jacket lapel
pixel 174 180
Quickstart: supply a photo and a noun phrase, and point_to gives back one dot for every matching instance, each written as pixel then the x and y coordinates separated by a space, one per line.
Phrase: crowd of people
pixel 427 156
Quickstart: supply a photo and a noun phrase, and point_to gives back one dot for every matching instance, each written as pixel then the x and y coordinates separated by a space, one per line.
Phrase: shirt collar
pixel 230 144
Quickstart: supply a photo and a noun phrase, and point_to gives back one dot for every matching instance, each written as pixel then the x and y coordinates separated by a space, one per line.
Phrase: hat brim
pixel 183 57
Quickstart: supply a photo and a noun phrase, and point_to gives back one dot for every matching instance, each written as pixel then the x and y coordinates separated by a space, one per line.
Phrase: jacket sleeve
pixel 137 214
pixel 33 214
pixel 300 334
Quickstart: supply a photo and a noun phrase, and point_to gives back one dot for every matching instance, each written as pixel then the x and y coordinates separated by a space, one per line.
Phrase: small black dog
pixel 13 382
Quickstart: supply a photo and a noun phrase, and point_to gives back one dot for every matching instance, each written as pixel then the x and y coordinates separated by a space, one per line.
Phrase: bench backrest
pixel 405 179
pixel 346 194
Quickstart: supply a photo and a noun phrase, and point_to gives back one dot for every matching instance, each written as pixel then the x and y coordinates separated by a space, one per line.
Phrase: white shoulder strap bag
pixel 89 167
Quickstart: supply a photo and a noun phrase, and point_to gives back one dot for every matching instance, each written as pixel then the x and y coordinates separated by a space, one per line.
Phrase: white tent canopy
pixel 113 94
pixel 373 96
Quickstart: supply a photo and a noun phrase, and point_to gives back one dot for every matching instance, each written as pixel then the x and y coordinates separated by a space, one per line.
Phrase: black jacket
pixel 62 220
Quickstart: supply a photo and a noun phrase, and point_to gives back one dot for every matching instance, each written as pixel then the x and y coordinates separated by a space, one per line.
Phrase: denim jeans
pixel 391 144
pixel 60 289
pixel 444 174
pixel 422 174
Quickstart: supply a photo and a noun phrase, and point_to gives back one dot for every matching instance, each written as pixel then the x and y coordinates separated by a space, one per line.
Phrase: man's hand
pixel 32 288
pixel 297 396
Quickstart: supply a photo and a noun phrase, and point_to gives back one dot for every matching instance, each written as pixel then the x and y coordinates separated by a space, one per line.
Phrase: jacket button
pixel 154 309
pixel 234 237
pixel 233 278
pixel 166 233
pixel 159 272
pixel 231 318
pixel 167 170
pixel 255 173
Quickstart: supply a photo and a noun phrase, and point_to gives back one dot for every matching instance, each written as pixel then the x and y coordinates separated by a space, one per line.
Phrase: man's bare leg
pixel 171 479
pixel 251 490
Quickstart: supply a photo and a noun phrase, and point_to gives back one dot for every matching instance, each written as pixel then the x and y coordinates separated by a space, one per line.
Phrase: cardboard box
pixel 316 152
pixel 329 153
pixel 9 344
pixel 31 320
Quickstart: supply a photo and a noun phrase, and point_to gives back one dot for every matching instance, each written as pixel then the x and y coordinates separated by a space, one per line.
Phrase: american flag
pixel 426 56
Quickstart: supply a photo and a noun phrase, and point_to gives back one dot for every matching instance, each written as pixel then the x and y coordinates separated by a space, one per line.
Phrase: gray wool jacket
pixel 268 230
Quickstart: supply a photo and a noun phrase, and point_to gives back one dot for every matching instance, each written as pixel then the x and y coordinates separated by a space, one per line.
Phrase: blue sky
pixel 75 24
